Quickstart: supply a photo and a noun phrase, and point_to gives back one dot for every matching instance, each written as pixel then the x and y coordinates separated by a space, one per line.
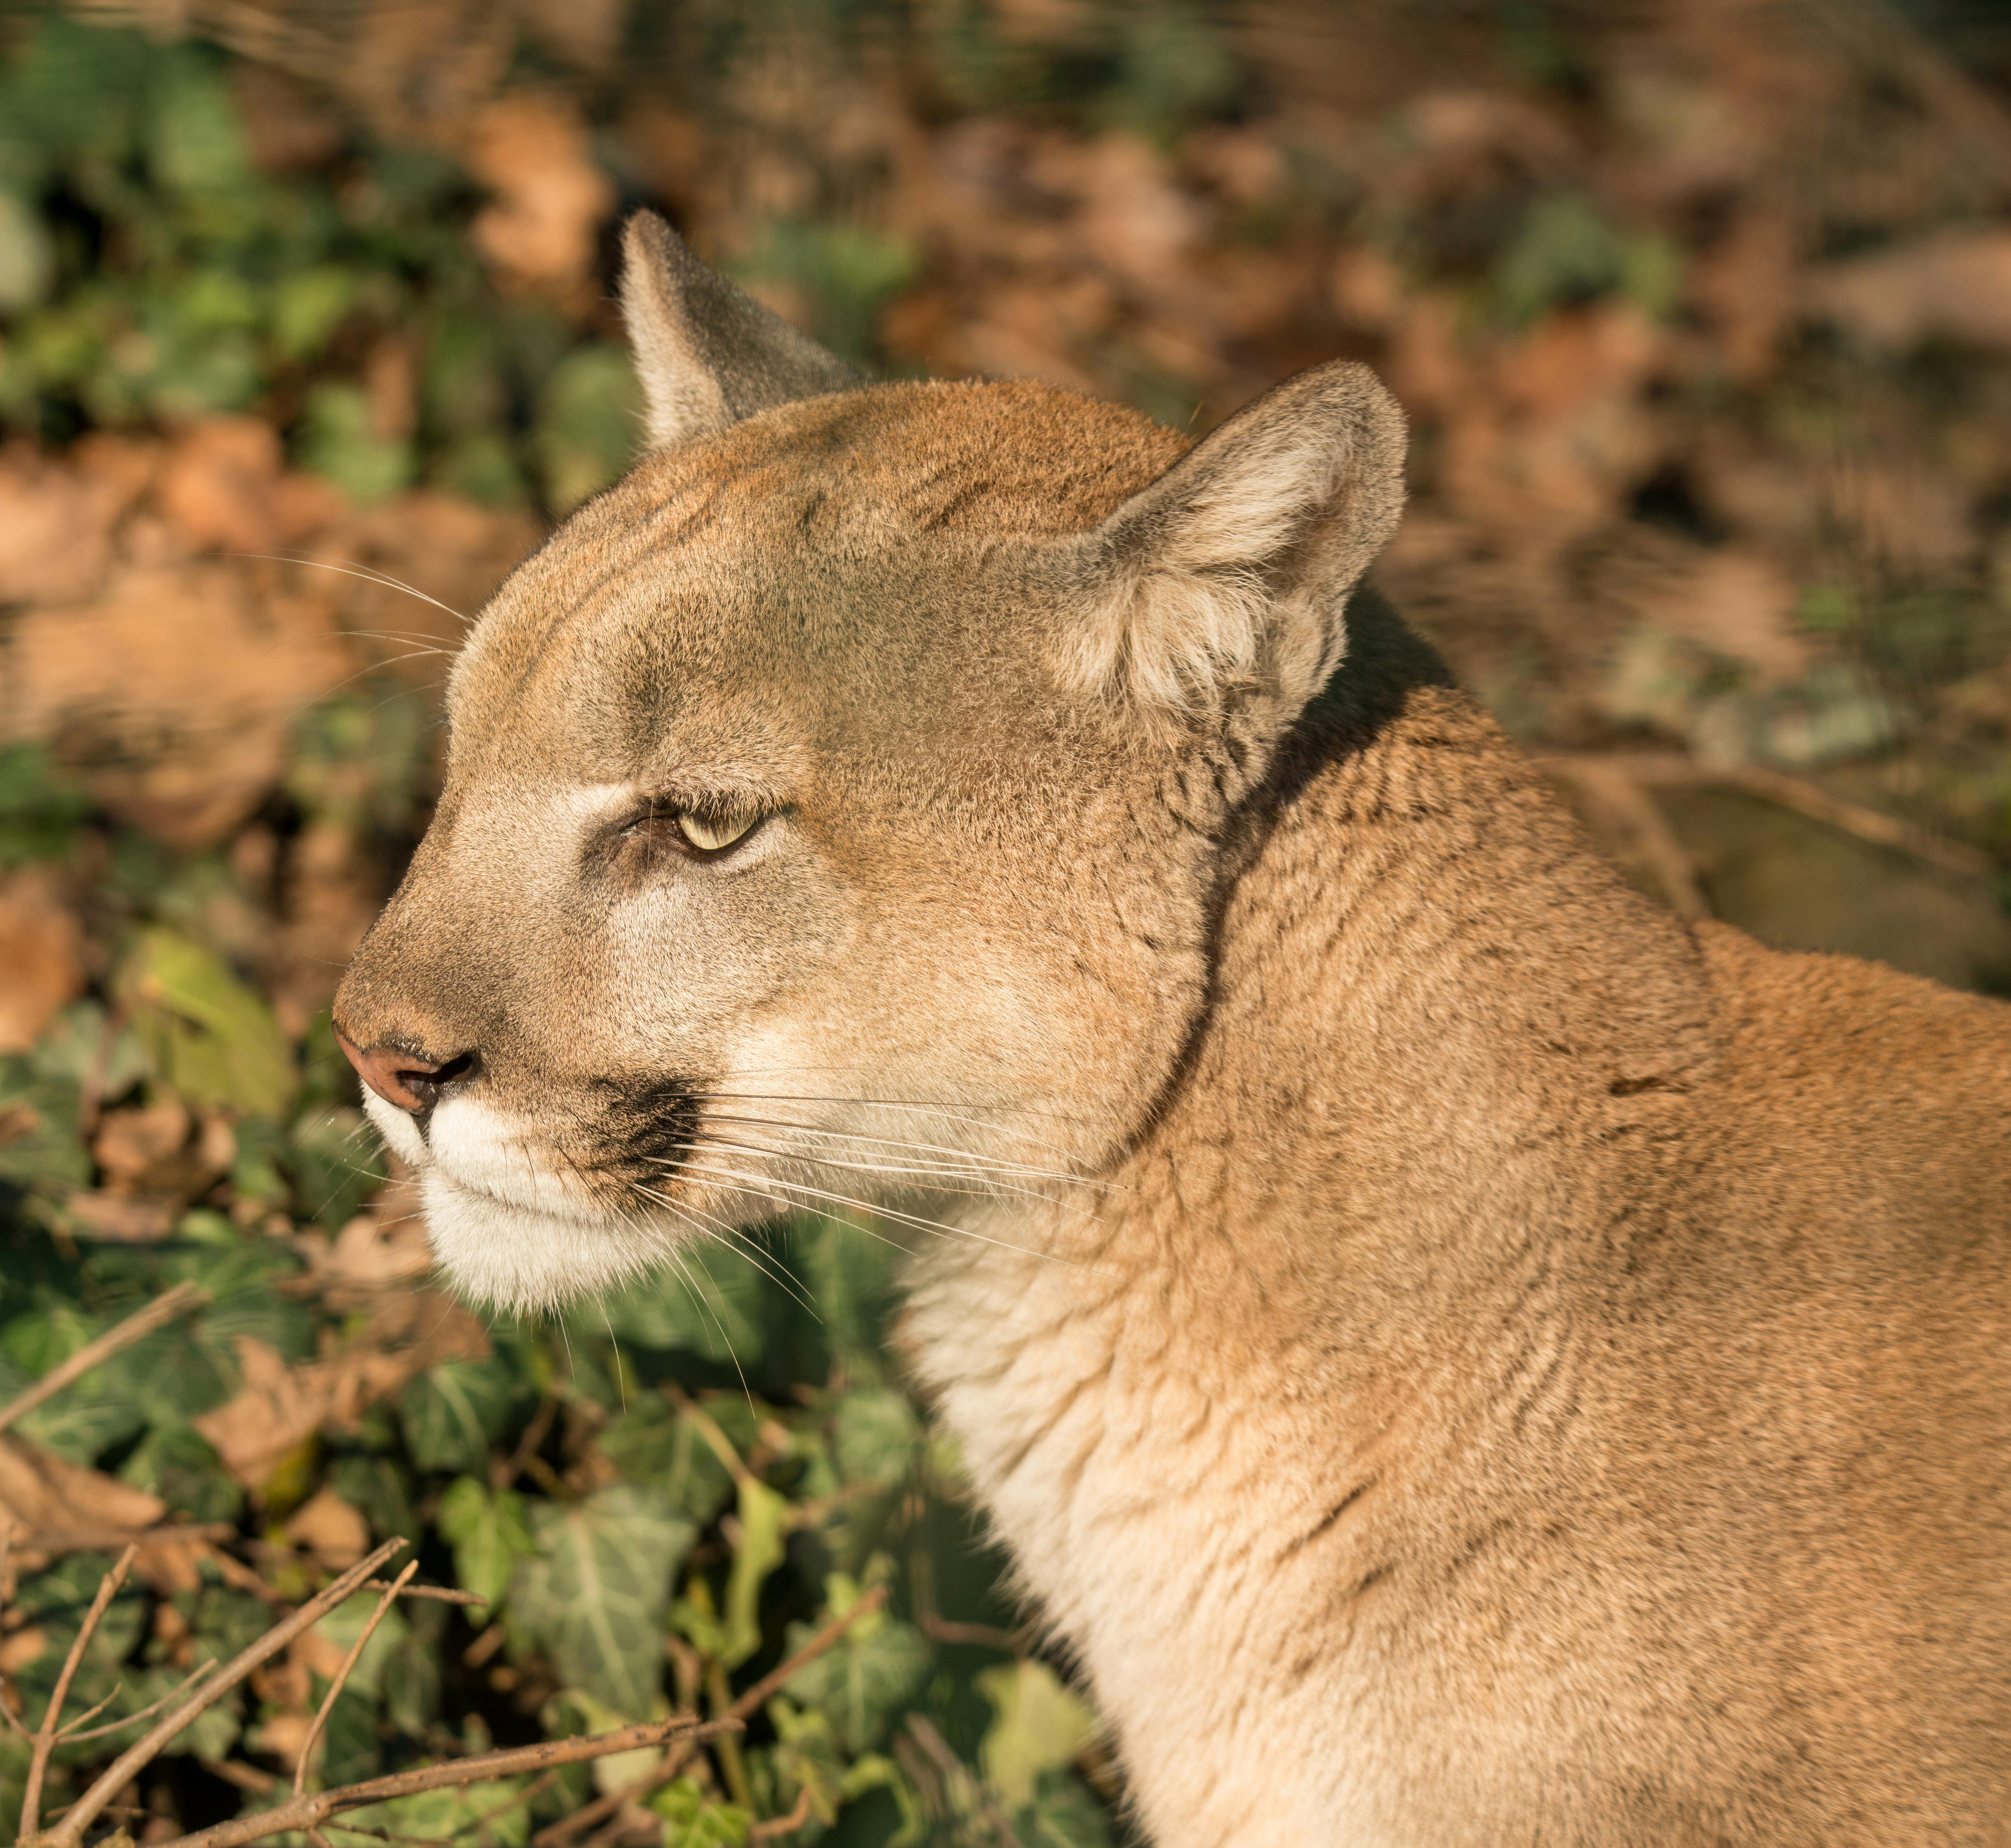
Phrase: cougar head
pixel 831 806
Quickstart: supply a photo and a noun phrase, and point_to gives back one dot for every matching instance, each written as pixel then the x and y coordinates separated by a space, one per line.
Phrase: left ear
pixel 1230 573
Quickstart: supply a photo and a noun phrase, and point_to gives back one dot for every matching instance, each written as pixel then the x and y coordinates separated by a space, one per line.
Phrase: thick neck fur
pixel 1268 1404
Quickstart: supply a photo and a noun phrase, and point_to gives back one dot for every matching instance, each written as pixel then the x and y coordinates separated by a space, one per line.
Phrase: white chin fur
pixel 506 1227
pixel 519 1257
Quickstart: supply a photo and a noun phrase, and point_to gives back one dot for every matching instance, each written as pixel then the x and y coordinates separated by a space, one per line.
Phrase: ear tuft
pixel 1233 570
pixel 708 354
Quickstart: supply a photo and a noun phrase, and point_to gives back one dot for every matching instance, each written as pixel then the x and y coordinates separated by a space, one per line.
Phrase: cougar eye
pixel 698 835
pixel 713 837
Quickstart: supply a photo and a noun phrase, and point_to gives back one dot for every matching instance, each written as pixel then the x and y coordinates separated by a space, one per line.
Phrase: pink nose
pixel 403 1079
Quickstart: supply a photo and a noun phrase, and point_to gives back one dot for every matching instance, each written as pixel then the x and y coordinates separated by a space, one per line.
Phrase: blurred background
pixel 1701 311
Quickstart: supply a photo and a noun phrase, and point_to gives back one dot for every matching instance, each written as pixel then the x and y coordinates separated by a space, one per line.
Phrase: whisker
pixel 936 1176
pixel 718 1230
pixel 367 573
pixel 1025 1171
pixel 889 1103
pixel 888 1212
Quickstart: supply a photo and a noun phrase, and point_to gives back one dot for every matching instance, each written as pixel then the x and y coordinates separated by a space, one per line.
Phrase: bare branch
pixel 743 1710
pixel 142 1751
pixel 441 1594
pixel 136 1327
pixel 335 1687
pixel 45 1734
pixel 784 1826
pixel 304 1812
pixel 1660 769
pixel 71 1736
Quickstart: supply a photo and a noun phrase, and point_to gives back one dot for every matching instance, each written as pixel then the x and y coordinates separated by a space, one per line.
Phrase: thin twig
pixel 304 1812
pixel 1658 769
pixel 743 1709
pixel 45 1734
pixel 784 1826
pixel 72 1736
pixel 384 1603
pixel 142 1751
pixel 1622 808
pixel 440 1594
pixel 136 1327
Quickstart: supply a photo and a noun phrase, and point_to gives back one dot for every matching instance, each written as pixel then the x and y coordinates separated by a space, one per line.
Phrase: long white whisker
pixel 883 1103
pixel 1024 1169
pixel 935 1176
pixel 723 1234
pixel 888 1212
pixel 367 573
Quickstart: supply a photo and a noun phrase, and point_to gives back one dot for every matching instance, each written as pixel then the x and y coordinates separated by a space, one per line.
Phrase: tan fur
pixel 1503 1367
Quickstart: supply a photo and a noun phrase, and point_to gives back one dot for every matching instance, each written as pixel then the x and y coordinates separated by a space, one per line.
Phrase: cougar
pixel 1458 1356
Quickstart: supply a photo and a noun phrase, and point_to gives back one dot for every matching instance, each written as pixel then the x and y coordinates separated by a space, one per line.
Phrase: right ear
pixel 708 353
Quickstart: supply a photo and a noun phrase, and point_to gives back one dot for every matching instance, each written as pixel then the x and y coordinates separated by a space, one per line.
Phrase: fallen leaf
pixel 328 1527
pixel 55 529
pixel 41 957
pixel 174 694
pixel 532 151
pixel 275 1409
pixel 132 1141
pixel 42 1494
pixel 1955 284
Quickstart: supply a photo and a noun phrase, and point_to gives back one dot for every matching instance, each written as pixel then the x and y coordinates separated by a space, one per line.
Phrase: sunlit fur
pixel 1458 1357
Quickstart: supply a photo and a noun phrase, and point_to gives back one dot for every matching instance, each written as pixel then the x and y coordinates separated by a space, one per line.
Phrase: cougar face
pixel 798 845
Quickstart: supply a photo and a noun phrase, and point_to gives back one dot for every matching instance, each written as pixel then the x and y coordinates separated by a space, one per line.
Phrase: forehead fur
pixel 796 544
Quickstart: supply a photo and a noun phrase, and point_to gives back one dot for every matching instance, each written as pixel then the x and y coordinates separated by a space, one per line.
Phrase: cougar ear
pixel 708 353
pixel 1232 571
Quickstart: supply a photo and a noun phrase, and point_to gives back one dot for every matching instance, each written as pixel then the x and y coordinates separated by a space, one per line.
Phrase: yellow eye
pixel 710 837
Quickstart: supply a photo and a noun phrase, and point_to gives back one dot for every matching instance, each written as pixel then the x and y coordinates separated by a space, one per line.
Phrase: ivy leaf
pixel 712 1307
pixel 877 1432
pixel 1063 1814
pixel 655 1445
pixel 763 1519
pixel 177 1464
pixel 39 1142
pixel 207 1036
pixel 489 1536
pixel 345 1623
pixel 861 1680
pixel 454 1413
pixel 694 1819
pixel 448 1815
pixel 1039 1725
pixel 595 1594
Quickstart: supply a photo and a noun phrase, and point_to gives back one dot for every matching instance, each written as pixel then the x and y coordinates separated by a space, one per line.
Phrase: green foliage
pixel 452 1414
pixel 1567 251
pixel 595 1592
pixel 208 1037
pixel 40 808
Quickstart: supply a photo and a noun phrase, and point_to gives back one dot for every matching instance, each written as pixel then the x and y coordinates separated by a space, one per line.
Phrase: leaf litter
pixel 306 337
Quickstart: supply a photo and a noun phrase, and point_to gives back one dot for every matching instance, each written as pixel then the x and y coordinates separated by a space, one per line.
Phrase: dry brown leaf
pixel 1956 283
pixel 275 1408
pixel 42 1494
pixel 133 1141
pixel 120 1218
pixel 41 957
pixel 55 527
pixel 532 151
pixel 336 1534
pixel 217 484
pixel 174 693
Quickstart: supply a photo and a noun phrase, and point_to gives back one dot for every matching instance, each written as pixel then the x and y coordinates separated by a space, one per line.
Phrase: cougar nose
pixel 403 1078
